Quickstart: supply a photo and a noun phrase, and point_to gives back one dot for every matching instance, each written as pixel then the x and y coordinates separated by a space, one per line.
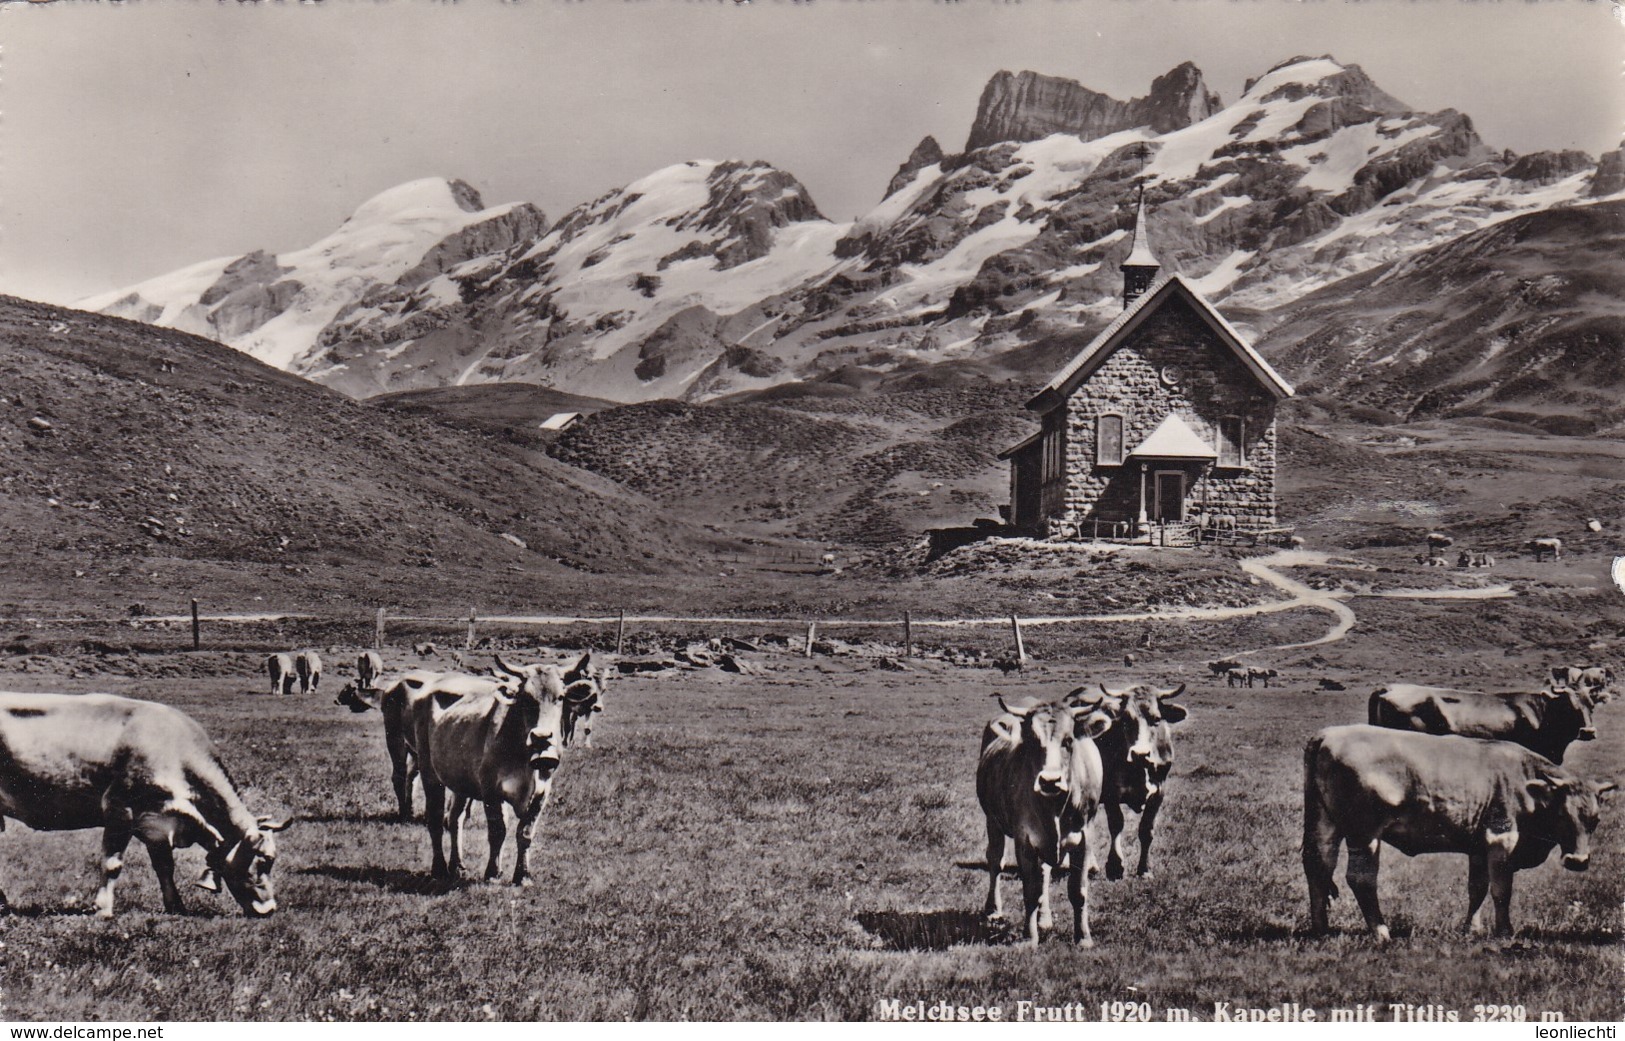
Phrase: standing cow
pixel 1547 547
pixel 281 671
pixel 135 769
pixel 309 666
pixel 1137 754
pixel 1039 781
pixel 1501 804
pixel 1545 721
pixel 369 667
pixel 499 748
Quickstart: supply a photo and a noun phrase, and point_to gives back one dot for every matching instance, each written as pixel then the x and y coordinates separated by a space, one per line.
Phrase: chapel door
pixel 1170 496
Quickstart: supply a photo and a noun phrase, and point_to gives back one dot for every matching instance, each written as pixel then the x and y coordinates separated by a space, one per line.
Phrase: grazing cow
pixel 1260 674
pixel 1595 680
pixel 501 747
pixel 424 650
pixel 1039 780
pixel 1545 721
pixel 135 769
pixel 828 560
pixel 280 668
pixel 1543 548
pixel 1137 753
pixel 1221 668
pixel 1236 677
pixel 1329 684
pixel 1438 541
pixel 309 666
pixel 1501 804
pixel 368 668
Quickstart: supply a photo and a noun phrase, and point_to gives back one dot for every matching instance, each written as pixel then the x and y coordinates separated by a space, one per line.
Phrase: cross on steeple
pixel 1140 269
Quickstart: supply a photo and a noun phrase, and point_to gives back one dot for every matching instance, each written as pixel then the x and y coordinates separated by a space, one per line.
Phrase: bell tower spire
pixel 1141 267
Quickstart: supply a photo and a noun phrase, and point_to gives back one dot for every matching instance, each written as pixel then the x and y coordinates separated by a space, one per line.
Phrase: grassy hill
pixel 141 464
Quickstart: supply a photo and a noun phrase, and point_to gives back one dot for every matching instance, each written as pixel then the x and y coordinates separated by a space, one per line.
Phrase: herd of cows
pixel 142 770
pixel 1433 770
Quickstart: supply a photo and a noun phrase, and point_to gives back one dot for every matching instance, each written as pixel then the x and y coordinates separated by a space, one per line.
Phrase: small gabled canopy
pixel 1101 347
pixel 560 421
pixel 1173 439
pixel 1026 442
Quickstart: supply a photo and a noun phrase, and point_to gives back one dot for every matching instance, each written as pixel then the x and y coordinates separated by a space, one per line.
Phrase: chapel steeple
pixel 1141 267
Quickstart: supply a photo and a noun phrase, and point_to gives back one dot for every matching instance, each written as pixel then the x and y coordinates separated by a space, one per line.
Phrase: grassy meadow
pixel 801 844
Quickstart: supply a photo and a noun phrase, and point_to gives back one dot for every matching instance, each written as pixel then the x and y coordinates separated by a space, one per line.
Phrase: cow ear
pixel 1175 713
pixel 267 824
pixel 1092 724
pixel 1606 788
pixel 1554 692
pixel 1176 692
pixel 210 880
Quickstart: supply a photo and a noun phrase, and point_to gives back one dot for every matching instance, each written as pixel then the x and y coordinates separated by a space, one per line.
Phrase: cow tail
pixel 1313 811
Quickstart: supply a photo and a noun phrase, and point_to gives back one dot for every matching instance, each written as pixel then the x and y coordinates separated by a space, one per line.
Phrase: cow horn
pixel 505 667
pixel 503 697
pixel 1112 693
pixel 1605 787
pixel 1021 712
pixel 1083 695
pixel 1176 692
pixel 1554 692
pixel 267 824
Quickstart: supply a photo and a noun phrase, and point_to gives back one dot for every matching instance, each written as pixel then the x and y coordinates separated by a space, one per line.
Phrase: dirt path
pixel 1266 569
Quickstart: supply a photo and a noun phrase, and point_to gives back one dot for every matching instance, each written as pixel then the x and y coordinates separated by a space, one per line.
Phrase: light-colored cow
pixel 1596 680
pixel 369 667
pixel 396 704
pixel 1501 804
pixel 135 769
pixel 497 748
pixel 1039 780
pixel 309 666
pixel 1547 547
pixel 279 667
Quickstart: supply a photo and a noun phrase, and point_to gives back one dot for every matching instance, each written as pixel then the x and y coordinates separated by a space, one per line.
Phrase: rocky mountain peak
pixel 1029 106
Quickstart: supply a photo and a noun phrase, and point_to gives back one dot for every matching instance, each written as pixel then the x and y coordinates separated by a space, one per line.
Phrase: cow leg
pixel 1478 884
pixel 1032 886
pixel 1320 842
pixel 434 815
pixel 995 863
pixel 1114 840
pixel 496 830
pixel 1362 877
pixel 1148 824
pixel 114 840
pixel 454 824
pixel 1077 891
pixel 403 770
pixel 162 856
pixel 522 835
pixel 1500 871
pixel 1046 920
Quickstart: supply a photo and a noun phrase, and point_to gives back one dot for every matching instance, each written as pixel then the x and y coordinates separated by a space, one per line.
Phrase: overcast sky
pixel 143 136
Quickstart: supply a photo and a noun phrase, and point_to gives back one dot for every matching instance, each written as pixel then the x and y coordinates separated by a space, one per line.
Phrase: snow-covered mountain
pixel 711 277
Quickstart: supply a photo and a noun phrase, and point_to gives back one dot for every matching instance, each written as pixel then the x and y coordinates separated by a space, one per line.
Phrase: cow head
pixel 355 699
pixel 1049 733
pixel 1566 811
pixel 1575 704
pixel 583 699
pixel 245 867
pixel 539 699
pixel 1139 748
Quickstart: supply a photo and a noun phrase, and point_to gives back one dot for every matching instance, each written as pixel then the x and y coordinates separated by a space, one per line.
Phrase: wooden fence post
pixel 196 643
pixel 812 629
pixel 908 634
pixel 1021 648
pixel 378 632
pixel 468 641
pixel 620 631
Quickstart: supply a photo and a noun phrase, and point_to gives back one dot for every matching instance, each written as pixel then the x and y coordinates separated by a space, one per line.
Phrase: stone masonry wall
pixel 1214 383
